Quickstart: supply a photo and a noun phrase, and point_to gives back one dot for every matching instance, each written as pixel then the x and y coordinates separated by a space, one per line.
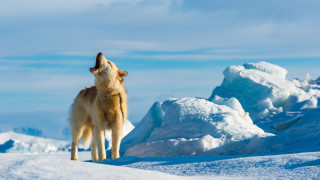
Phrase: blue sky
pixel 172 48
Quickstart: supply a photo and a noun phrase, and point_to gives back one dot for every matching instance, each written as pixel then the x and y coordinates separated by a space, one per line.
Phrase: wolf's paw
pixel 95 160
pixel 115 156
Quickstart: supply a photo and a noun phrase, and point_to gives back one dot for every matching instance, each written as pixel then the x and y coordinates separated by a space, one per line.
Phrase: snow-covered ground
pixel 257 124
pixel 58 166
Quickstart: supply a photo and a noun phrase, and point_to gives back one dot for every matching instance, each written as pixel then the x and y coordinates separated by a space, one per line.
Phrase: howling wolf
pixel 100 107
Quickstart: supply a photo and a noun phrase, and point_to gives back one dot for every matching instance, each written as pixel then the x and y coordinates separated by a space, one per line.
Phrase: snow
pixel 232 103
pixel 268 68
pixel 256 110
pixel 260 87
pixel 285 166
pixel 191 126
pixel 58 166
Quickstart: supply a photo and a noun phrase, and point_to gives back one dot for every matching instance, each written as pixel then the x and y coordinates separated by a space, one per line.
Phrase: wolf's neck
pixel 108 95
pixel 107 89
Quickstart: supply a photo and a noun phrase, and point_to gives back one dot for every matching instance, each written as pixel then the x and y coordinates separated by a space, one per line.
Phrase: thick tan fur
pixel 100 107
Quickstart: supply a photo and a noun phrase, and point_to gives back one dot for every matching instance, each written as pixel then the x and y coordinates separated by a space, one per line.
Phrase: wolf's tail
pixel 86 137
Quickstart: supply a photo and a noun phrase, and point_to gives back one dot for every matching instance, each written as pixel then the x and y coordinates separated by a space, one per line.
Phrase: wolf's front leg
pixel 100 143
pixel 116 138
pixel 94 151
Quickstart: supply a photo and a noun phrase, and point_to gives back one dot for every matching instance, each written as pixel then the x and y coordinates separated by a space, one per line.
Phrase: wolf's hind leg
pixel 75 142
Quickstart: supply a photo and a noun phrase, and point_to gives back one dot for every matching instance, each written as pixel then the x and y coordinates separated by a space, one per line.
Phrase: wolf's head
pixel 107 74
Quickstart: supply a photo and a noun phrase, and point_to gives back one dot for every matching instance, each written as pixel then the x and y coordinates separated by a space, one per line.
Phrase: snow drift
pixel 190 126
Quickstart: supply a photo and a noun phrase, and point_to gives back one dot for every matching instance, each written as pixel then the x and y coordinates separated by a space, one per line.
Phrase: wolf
pixel 99 108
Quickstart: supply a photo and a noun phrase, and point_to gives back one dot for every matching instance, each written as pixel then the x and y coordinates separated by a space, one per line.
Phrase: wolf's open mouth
pixel 98 62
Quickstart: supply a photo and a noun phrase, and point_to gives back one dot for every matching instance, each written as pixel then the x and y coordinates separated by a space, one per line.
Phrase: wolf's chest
pixel 110 108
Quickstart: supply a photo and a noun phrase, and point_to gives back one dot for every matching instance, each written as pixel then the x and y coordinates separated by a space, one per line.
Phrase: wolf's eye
pixel 109 63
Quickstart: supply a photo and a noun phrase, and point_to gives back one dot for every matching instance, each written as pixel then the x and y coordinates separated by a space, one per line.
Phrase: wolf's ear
pixel 122 74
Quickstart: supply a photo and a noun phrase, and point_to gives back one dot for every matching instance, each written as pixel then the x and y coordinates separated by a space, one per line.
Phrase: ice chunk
pixel 253 83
